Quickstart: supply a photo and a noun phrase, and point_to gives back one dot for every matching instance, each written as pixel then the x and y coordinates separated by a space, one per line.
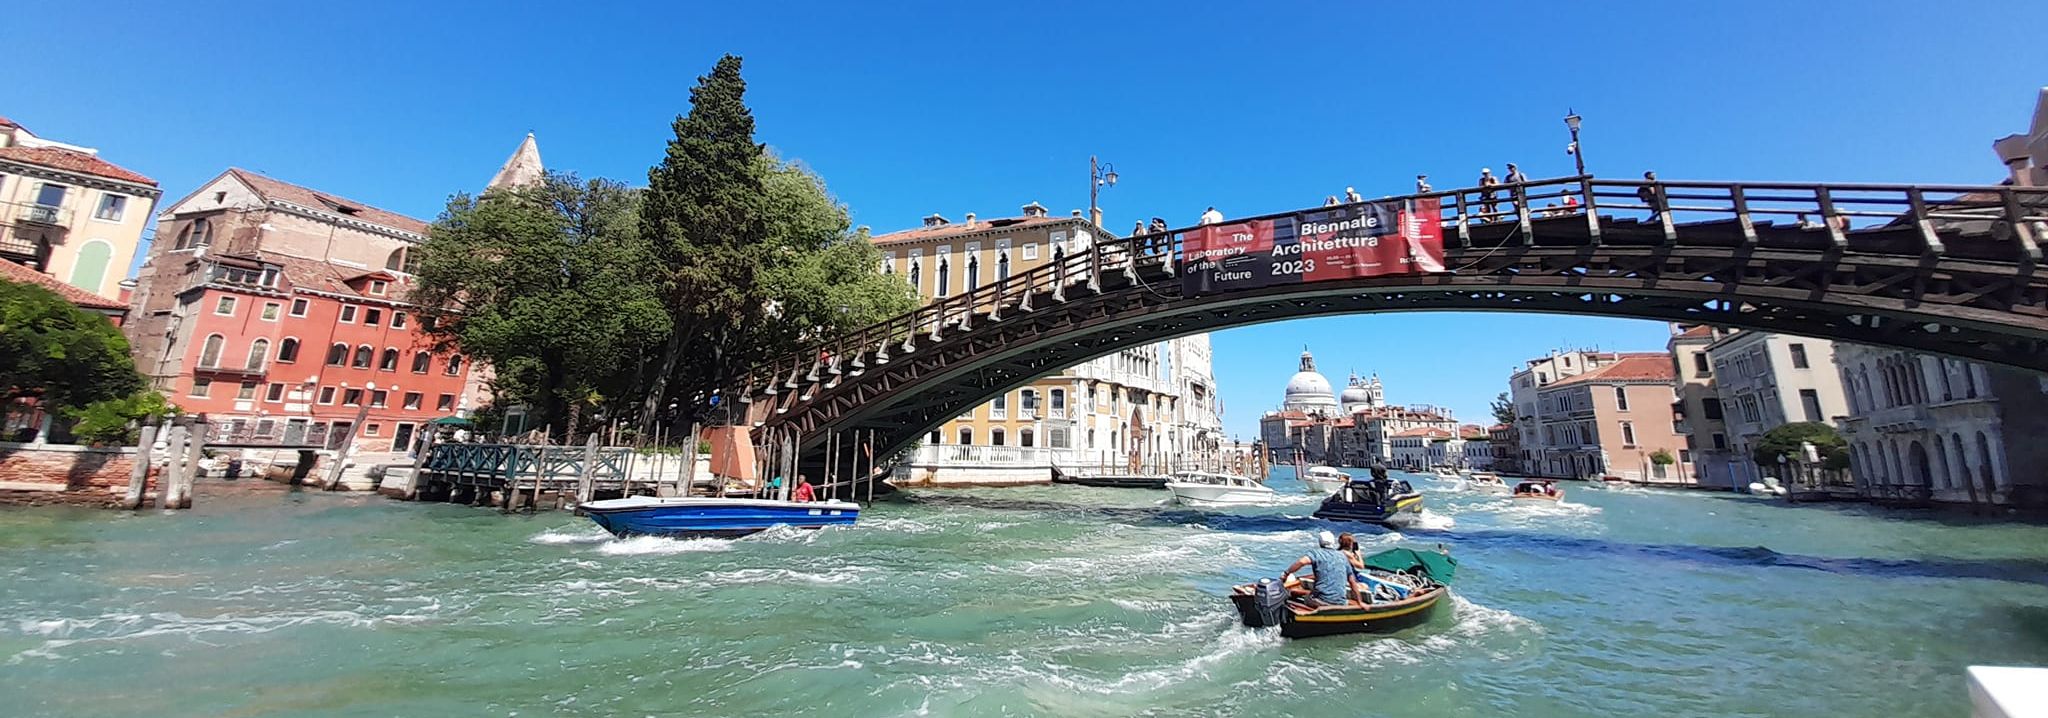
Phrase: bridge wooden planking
pixel 1950 276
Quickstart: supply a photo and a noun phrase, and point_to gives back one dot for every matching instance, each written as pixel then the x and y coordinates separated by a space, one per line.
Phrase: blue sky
pixel 914 108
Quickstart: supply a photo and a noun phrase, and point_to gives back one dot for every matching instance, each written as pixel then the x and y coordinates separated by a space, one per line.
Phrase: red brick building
pixel 279 311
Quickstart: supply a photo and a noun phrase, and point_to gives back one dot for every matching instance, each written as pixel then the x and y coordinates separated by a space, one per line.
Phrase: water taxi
pixel 1486 482
pixel 1538 491
pixel 1323 479
pixel 1201 488
pixel 1383 502
pixel 694 517
pixel 1424 576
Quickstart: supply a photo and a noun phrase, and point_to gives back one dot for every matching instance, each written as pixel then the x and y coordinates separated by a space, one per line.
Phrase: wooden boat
pixel 1110 481
pixel 1538 491
pixel 1395 503
pixel 1486 481
pixel 1201 488
pixel 1323 479
pixel 1426 574
pixel 725 518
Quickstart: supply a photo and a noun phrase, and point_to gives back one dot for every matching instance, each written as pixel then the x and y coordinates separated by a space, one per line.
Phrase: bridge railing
pixel 1832 212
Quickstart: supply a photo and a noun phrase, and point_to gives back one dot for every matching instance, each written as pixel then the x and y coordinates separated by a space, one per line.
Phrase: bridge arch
pixel 1942 270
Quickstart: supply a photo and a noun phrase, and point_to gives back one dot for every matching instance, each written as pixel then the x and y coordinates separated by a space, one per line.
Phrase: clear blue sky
pixel 914 108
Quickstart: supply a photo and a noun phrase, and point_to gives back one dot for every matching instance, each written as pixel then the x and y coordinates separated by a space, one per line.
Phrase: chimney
pixel 1034 210
pixel 936 220
pixel 1077 214
pixel 970 219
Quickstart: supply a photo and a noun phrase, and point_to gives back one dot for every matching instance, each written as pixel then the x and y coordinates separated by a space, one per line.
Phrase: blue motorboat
pixel 703 516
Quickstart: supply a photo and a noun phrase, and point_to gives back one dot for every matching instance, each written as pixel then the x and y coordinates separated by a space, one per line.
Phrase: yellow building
pixel 68 213
pixel 1153 406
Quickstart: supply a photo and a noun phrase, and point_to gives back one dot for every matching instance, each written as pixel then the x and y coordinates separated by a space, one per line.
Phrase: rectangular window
pixel 299 307
pixel 1700 365
pixel 348 313
pixel 377 287
pixel 372 317
pixel 201 387
pixel 1720 442
pixel 246 392
pixel 1711 408
pixel 352 397
pixel 50 196
pixel 445 403
pixel 327 395
pixel 271 310
pixel 1628 433
pixel 1030 250
pixel 398 320
pixel 1798 356
pixel 276 393
pixel 1621 398
pixel 1684 456
pixel 377 398
pixel 225 307
pixel 1810 400
pixel 412 400
pixel 372 429
pixel 112 207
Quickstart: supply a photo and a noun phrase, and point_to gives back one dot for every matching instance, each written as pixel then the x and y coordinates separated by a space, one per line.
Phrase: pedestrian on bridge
pixel 1486 192
pixel 1422 185
pixel 1211 216
pixel 1351 196
pixel 1650 196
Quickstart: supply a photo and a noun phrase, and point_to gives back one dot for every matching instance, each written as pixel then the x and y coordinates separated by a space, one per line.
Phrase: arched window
pixel 390 360
pixel 288 350
pixel 420 362
pixel 401 260
pixel 1028 401
pixel 945 271
pixel 1969 381
pixel 209 352
pixel 197 234
pixel 1944 477
pixel 454 364
pixel 916 276
pixel 259 352
pixel 995 436
pixel 966 436
pixel 1990 468
pixel 1948 387
pixel 1027 438
pixel 364 354
pixel 1002 265
pixel 1059 402
pixel 337 355
pixel 973 271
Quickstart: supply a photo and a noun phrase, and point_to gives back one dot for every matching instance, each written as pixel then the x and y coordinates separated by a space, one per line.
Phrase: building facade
pixel 281 312
pixel 1611 416
pixel 1765 381
pixel 1505 442
pixel 1151 407
pixel 69 214
pixel 1699 409
pixel 1315 427
pixel 1923 428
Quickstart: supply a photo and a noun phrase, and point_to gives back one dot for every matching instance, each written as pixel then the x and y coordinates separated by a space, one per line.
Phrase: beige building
pixel 1767 380
pixel 1700 413
pixel 1610 416
pixel 1152 407
pixel 68 213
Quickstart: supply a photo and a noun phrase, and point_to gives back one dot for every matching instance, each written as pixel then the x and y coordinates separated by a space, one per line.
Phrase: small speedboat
pixel 1201 488
pixel 1538 491
pixel 1486 482
pixel 713 517
pixel 1323 479
pixel 1443 472
pixel 1384 502
pixel 1424 575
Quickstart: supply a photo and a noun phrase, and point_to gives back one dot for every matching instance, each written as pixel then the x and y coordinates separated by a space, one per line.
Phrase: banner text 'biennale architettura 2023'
pixel 1368 239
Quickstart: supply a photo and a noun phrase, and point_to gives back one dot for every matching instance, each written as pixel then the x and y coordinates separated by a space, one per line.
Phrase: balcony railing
pixel 41 214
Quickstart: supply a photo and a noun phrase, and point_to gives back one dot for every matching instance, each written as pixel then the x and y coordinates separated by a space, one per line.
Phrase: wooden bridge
pixel 1949 270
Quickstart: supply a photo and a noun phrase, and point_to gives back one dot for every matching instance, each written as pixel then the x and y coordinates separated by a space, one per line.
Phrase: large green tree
pixel 755 255
pixel 1787 440
pixel 58 354
pixel 548 283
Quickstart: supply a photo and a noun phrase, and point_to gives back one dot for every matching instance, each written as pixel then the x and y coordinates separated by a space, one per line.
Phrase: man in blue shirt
pixel 1335 584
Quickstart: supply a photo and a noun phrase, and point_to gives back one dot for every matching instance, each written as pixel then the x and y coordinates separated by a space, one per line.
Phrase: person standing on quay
pixel 1486 192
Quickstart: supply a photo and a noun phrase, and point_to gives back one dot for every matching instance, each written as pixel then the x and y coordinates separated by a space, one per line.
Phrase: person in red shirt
pixel 803 490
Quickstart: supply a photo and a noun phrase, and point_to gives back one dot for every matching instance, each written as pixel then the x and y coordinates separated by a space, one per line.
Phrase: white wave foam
pixel 1434 521
pixel 900 525
pixel 659 546
pixel 127 627
pixel 1473 625
pixel 558 536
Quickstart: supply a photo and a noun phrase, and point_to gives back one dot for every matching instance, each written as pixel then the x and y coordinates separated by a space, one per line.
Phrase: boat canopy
pixel 1438 567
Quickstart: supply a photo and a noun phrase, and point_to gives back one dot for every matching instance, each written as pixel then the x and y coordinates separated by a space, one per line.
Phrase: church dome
pixel 1308 390
pixel 1357 394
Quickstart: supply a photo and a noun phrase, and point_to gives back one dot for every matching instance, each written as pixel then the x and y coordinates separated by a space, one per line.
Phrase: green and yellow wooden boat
pixel 1426 575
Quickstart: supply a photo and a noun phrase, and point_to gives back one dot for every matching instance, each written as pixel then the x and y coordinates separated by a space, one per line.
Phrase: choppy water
pixel 1058 601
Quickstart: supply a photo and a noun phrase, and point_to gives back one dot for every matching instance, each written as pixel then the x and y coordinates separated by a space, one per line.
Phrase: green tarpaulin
pixel 1438 566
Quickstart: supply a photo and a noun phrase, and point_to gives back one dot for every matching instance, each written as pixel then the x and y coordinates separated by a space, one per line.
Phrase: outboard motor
pixel 1269 604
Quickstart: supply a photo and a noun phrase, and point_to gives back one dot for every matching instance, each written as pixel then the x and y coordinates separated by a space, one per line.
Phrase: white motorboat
pixel 1201 488
pixel 1324 480
pixel 1486 482
pixel 1444 472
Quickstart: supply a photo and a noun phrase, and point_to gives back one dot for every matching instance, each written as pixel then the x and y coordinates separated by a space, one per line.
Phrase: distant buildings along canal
pixel 1362 429
pixel 1152 406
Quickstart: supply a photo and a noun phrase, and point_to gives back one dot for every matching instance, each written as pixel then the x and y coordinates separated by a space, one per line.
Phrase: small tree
pixel 1503 409
pixel 1786 441
pixel 1662 457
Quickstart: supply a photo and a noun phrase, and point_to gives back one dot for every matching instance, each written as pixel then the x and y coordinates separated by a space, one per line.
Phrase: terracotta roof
pixel 1431 432
pixel 315 275
pixel 1636 366
pixel 279 190
pixel 4 122
pixel 73 161
pixel 1500 427
pixel 12 272
pixel 922 234
pixel 1696 331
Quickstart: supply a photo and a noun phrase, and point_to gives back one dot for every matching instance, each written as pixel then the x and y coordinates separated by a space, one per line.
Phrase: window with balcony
pixel 299 307
pixel 1000 408
pixel 1027 400
pixel 1059 402
pixel 390 360
pixel 364 355
pixel 209 351
pixel 995 436
pixel 1027 438
pixel 933 438
pixel 112 207
pixel 259 353
pixel 966 436
pixel 420 362
pixel 1059 438
pixel 197 233
pixel 49 199
pixel 225 307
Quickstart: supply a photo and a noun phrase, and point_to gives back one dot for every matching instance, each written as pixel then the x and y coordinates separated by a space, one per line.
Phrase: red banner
pixel 1358 240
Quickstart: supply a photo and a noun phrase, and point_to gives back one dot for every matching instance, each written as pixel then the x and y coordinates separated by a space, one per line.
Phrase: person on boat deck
pixel 1328 564
pixel 1368 586
pixel 803 490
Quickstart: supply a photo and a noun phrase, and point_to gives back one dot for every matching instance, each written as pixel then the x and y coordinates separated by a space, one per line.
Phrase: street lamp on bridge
pixel 1571 120
pixel 1100 175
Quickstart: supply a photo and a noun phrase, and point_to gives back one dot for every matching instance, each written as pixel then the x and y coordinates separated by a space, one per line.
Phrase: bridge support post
pixel 1095 268
pixel 1742 219
pixel 1930 241
pixel 1828 217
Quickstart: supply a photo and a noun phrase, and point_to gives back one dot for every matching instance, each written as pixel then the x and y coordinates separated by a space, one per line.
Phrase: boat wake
pixel 561 536
pixel 1474 628
pixel 662 546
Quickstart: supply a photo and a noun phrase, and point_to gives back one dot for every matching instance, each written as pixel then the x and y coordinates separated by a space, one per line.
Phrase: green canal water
pixel 1055 601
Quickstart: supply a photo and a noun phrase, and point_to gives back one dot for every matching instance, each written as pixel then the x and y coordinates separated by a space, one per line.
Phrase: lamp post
pixel 1571 121
pixel 1100 175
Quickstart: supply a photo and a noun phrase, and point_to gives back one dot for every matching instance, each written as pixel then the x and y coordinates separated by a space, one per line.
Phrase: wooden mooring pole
pixel 586 479
pixel 138 478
